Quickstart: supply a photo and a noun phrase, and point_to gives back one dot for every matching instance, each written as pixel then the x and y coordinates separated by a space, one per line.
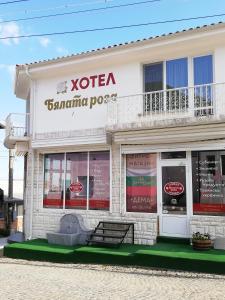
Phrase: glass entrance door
pixel 173 219
pixel 174 190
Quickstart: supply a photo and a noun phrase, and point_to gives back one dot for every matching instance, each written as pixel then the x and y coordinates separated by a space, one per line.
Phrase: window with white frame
pixel 78 180
pixel 208 179
pixel 166 85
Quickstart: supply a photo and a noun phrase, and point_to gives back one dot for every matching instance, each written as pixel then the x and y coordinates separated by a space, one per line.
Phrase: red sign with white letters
pixel 76 187
pixel 174 188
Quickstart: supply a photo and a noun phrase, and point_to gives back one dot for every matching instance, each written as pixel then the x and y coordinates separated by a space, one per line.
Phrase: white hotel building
pixel 133 133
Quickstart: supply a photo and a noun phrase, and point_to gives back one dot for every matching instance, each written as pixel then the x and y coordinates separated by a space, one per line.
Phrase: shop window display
pixel 76 180
pixel 53 180
pixel 208 182
pixel 86 184
pixel 99 186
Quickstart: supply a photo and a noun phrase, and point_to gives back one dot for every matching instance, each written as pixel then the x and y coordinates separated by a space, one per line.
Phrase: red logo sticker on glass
pixel 76 187
pixel 174 188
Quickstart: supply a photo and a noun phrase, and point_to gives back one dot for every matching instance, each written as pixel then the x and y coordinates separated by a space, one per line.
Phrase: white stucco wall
pixel 92 115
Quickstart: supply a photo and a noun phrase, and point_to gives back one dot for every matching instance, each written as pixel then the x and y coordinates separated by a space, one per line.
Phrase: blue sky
pixel 19 51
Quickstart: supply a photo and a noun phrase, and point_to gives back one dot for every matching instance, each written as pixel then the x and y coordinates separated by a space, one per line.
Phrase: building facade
pixel 133 133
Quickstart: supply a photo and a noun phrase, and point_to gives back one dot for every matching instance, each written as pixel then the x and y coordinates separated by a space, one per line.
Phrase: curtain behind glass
pixel 176 73
pixel 177 77
pixel 203 91
pixel 203 70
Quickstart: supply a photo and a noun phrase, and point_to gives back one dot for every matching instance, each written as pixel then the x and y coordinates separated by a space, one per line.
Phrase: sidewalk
pixel 29 280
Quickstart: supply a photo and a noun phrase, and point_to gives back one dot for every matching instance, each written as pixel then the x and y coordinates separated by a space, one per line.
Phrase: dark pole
pixel 10 189
pixel 11 161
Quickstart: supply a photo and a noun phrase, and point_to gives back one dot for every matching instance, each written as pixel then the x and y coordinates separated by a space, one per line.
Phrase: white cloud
pixel 10 30
pixel 9 68
pixel 44 41
pixel 62 51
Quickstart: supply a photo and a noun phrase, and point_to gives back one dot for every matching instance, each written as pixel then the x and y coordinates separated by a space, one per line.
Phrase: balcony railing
pixel 195 102
pixel 17 126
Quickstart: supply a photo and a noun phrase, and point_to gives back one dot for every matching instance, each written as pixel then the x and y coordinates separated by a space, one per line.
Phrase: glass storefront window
pixel 81 191
pixel 141 183
pixel 53 180
pixel 76 180
pixel 208 182
pixel 99 185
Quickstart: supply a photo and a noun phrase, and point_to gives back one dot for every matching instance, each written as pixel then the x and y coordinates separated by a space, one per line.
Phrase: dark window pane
pixel 141 184
pixel 174 189
pixel 208 182
pixel 173 155
pixel 99 180
pixel 53 180
pixel 153 75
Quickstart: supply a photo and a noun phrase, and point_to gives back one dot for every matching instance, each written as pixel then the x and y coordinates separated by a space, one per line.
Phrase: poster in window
pixel 141 183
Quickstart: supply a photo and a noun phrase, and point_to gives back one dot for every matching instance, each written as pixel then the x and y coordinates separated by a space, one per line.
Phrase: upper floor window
pixel 166 86
pixel 173 74
pixel 153 75
pixel 203 90
pixel 176 73
pixel 203 70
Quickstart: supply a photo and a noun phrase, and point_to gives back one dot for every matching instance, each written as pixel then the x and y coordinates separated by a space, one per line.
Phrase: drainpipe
pixel 120 197
pixel 32 171
pixel 10 189
pixel 31 195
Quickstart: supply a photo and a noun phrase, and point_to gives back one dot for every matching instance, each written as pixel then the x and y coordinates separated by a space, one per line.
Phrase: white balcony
pixel 203 103
pixel 17 132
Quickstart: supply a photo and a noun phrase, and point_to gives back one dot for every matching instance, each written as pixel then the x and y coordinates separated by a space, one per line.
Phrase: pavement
pixel 21 279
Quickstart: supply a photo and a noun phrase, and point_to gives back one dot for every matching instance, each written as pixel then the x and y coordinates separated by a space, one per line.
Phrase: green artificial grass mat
pixel 161 255
pixel 184 251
